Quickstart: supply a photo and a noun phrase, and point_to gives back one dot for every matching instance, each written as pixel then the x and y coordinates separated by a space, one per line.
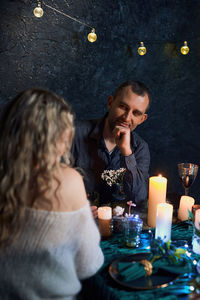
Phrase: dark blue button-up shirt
pixel 92 157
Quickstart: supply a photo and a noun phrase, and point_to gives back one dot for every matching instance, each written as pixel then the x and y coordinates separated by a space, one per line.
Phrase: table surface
pixel 104 287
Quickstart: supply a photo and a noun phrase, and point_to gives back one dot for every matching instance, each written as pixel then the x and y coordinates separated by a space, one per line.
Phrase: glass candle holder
pixel 105 228
pixel 105 221
pixel 118 224
pixel 132 229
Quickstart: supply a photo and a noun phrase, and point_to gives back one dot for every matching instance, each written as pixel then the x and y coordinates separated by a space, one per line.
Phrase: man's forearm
pixel 136 177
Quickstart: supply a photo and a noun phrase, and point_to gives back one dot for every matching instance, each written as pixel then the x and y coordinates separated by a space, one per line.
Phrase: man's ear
pixel 144 117
pixel 109 102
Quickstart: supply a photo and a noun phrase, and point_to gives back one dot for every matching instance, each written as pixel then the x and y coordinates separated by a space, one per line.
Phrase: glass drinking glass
pixel 187 173
pixel 132 230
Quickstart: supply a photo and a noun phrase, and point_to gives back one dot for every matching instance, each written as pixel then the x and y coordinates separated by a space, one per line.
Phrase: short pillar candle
pixel 164 221
pixel 105 213
pixel 104 220
pixel 157 194
pixel 186 204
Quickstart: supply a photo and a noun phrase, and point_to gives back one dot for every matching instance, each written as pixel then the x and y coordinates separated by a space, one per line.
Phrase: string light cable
pixel 38 12
pixel 92 37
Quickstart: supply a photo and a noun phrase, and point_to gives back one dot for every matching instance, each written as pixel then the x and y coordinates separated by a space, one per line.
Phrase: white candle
pixel 105 213
pixel 105 216
pixel 196 239
pixel 197 219
pixel 186 203
pixel 195 245
pixel 164 221
pixel 157 194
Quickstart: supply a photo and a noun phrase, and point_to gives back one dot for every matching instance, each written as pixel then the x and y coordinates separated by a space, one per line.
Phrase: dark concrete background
pixel 53 52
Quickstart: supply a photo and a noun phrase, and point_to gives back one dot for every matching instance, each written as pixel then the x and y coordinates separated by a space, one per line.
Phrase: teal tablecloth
pixel 105 288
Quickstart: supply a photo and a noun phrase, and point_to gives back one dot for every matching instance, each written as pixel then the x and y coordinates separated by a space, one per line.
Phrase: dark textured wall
pixel 53 52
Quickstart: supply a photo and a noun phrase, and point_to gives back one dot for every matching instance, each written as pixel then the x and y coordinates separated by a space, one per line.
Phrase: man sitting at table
pixel 111 143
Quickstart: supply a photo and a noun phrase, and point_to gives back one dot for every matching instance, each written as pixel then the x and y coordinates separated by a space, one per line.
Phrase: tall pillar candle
pixel 164 221
pixel 157 194
pixel 196 238
pixel 104 220
pixel 186 204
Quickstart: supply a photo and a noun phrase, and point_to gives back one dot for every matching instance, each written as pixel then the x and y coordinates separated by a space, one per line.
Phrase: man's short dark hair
pixel 137 87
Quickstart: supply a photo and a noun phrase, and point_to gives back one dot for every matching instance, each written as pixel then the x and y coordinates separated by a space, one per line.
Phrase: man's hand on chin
pixel 122 139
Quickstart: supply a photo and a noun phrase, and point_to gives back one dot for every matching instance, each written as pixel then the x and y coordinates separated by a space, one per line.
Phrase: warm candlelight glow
pixel 104 213
pixel 157 194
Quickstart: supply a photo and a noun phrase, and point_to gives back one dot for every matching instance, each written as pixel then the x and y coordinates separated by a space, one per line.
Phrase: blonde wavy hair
pixel 33 124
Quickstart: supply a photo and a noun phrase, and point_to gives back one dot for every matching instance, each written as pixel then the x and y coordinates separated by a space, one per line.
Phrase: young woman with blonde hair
pixel 48 238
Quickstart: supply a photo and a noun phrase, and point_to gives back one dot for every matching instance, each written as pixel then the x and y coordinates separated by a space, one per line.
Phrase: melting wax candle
pixel 157 194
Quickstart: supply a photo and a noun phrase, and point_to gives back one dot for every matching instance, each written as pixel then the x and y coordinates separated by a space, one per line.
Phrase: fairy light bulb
pixel 185 49
pixel 142 49
pixel 38 11
pixel 92 36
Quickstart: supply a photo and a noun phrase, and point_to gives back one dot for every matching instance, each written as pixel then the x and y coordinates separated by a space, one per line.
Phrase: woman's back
pixel 48 238
pixel 67 192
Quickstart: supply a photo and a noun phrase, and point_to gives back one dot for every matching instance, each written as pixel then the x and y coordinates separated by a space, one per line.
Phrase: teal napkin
pixel 134 270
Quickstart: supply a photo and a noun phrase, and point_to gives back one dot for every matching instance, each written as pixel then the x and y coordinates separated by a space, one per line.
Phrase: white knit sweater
pixel 53 252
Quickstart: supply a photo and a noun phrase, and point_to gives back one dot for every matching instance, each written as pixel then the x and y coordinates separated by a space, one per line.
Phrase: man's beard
pixel 119 122
pixel 112 124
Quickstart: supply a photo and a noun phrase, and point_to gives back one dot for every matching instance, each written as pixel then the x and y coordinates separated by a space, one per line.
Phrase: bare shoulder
pixel 70 172
pixel 72 190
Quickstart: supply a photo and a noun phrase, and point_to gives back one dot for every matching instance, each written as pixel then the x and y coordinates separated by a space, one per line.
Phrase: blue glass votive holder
pixel 118 224
pixel 132 230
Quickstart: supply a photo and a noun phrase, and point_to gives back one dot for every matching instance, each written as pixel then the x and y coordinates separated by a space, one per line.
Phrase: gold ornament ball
pixel 38 12
pixel 142 50
pixel 185 49
pixel 92 37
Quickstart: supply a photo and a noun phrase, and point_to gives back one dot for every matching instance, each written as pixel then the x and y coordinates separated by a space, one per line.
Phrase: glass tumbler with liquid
pixel 132 230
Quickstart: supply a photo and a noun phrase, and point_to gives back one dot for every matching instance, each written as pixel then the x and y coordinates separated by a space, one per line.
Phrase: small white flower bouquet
pixel 118 211
pixel 113 176
pixel 118 219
